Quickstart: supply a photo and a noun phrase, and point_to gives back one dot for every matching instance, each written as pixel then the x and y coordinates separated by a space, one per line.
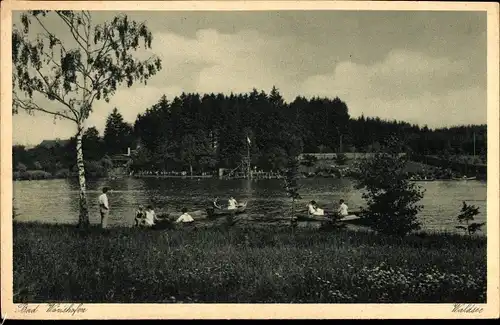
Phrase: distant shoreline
pixel 238 178
pixel 169 176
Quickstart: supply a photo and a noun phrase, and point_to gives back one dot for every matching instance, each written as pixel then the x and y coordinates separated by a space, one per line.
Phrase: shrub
pixel 391 198
pixel 21 167
pixel 39 174
pixel 92 169
pixel 106 163
pixel 467 214
pixel 32 175
pixel 62 173
pixel 37 165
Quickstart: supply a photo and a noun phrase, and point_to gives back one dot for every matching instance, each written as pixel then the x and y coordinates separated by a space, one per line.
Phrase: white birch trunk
pixel 83 220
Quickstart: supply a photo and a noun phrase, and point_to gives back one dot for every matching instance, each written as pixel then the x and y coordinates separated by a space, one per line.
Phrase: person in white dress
pixel 314 210
pixel 185 217
pixel 232 204
pixel 150 219
pixel 343 209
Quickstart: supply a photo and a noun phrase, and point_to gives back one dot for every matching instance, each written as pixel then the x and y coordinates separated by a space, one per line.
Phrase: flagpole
pixel 249 176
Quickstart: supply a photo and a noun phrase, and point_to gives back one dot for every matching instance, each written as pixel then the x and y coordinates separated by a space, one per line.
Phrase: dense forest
pixel 204 132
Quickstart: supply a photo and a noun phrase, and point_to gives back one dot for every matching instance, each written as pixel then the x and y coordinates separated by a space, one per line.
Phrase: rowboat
pixel 464 178
pixel 349 217
pixel 240 208
pixel 196 214
pixel 326 218
pixel 423 179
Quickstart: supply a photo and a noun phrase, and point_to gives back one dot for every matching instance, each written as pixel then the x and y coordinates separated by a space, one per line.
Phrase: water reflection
pixel 57 200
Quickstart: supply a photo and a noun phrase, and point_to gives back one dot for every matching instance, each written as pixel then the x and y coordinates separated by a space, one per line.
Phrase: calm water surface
pixel 56 201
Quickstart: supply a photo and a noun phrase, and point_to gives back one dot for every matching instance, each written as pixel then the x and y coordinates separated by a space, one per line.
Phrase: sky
pixel 422 67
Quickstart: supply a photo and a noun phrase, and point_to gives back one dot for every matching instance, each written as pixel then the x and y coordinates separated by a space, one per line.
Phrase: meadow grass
pixel 58 263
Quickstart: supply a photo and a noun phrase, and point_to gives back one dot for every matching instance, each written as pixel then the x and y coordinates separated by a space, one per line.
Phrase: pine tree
pixel 118 135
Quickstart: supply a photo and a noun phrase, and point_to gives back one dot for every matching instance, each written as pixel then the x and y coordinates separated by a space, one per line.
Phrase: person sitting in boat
pixel 150 218
pixel 140 215
pixel 232 204
pixel 343 209
pixel 213 205
pixel 314 210
pixel 216 203
pixel 185 217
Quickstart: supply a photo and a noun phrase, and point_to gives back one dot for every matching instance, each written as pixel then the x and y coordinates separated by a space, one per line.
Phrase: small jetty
pixel 254 175
pixel 171 174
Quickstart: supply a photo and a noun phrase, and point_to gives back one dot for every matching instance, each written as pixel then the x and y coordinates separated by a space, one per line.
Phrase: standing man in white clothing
pixel 104 207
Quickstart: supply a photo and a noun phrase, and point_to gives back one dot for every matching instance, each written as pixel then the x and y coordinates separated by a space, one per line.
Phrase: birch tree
pixel 74 63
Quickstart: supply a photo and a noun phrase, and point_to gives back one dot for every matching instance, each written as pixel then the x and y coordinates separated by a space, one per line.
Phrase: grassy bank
pixel 57 263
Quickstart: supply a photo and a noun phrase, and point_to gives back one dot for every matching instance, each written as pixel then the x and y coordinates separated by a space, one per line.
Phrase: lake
pixel 56 201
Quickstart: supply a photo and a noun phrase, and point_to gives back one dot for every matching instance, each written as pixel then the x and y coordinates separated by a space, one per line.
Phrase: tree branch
pixel 72 29
pixel 92 99
pixel 109 47
pixel 51 58
pixel 87 29
pixel 50 93
pixel 29 105
pixel 104 48
pixel 100 83
pixel 85 70
pixel 48 35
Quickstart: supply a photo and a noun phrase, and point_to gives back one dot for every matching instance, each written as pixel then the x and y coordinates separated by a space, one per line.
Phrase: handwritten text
pixel 467 308
pixel 66 309
pixel 27 309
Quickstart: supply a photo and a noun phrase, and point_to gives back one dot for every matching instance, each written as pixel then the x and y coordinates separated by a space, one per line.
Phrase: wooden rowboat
pixel 325 218
pixel 225 211
pixel 463 178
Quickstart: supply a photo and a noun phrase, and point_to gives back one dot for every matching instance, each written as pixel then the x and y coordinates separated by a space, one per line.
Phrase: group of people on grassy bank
pixel 145 217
